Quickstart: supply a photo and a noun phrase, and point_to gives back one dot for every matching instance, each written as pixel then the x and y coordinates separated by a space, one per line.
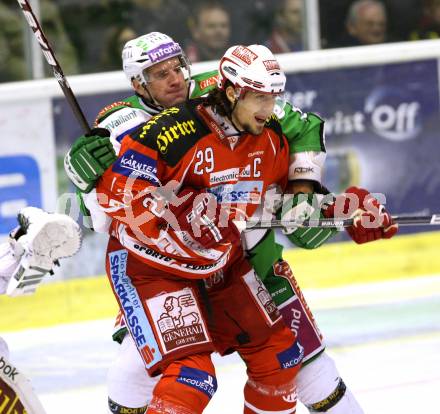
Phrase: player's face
pixel 166 82
pixel 252 111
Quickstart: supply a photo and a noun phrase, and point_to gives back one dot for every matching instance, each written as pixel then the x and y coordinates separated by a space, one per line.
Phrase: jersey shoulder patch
pixel 173 132
pixel 124 120
pixel 273 123
pixel 204 82
pixel 109 109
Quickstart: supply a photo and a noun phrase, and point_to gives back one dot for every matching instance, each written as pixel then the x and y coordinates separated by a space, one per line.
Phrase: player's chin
pixel 257 127
pixel 176 98
pixel 253 129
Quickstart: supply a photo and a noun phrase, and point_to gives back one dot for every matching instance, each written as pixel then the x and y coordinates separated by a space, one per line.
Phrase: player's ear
pixel 230 94
pixel 138 87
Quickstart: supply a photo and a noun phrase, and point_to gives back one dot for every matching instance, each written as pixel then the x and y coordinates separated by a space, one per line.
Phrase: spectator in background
pixel 287 33
pixel 13 65
pixel 169 16
pixel 210 28
pixel 429 27
pixel 366 24
pixel 89 23
pixel 56 33
pixel 12 61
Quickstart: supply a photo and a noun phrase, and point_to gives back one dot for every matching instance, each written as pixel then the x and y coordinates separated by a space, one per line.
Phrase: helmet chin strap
pixel 151 100
pixel 234 104
pixel 238 95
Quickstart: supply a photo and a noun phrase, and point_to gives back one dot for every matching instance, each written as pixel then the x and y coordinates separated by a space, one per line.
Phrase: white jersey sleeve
pixel 122 122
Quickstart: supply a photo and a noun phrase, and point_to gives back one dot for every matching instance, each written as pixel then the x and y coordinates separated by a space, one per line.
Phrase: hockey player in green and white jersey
pixel 159 73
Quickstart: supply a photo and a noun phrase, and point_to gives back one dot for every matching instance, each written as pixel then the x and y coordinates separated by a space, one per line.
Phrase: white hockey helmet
pixel 251 67
pixel 147 50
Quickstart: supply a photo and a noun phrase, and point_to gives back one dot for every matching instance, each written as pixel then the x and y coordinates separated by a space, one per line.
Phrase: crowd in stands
pixel 88 35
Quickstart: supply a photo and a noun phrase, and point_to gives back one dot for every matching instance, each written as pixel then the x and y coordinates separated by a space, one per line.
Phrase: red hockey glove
pixel 371 220
pixel 203 218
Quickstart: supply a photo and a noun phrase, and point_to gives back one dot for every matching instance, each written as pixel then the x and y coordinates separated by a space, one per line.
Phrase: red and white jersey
pixel 183 146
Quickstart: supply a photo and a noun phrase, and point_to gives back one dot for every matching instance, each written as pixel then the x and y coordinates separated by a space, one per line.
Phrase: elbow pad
pixel 306 165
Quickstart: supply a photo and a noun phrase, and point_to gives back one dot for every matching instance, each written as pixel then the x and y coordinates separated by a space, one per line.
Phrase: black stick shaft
pixel 53 62
pixel 338 223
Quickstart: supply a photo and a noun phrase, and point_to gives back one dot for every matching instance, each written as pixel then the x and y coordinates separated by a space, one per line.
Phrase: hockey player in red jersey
pixel 161 258
pixel 319 383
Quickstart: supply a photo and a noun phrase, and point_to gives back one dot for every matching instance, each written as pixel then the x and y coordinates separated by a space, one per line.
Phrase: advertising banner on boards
pixel 382 129
pixel 27 154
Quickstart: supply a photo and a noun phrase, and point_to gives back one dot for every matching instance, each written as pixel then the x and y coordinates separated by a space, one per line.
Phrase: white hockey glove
pixel 38 243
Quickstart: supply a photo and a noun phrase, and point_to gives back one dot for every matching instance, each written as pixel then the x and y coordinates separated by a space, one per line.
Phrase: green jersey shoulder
pixel 202 84
pixel 305 135
pixel 303 130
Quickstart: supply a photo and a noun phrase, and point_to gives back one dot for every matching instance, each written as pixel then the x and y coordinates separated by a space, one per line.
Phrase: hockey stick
pixel 51 59
pixel 409 220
